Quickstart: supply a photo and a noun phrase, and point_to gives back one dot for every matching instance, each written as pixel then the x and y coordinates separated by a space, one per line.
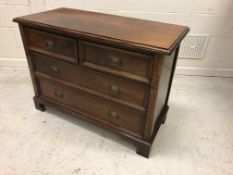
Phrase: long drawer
pixel 119 88
pixel 119 116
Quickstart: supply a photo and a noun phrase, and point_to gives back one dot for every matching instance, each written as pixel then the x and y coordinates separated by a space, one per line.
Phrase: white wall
pixel 214 17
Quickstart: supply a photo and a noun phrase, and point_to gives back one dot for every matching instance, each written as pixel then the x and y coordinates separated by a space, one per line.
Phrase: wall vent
pixel 194 46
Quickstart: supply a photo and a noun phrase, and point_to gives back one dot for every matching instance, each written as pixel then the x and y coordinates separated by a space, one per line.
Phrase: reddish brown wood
pixel 29 61
pixel 126 90
pixel 52 43
pixel 116 59
pixel 159 95
pixel 117 115
pixel 151 35
pixel 172 73
pixel 107 97
pixel 113 71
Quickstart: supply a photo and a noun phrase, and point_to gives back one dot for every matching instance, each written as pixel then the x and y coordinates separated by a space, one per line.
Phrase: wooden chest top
pixel 150 35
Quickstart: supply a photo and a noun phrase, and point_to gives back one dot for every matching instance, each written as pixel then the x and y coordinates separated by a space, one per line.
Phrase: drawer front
pixel 114 87
pixel 102 110
pixel 109 58
pixel 54 44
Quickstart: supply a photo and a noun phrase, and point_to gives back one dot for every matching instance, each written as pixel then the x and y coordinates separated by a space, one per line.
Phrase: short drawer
pixel 100 109
pixel 54 45
pixel 114 60
pixel 119 88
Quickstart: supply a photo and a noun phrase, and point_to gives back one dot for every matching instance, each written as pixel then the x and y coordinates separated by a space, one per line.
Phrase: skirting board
pixel 22 63
pixel 13 63
pixel 198 71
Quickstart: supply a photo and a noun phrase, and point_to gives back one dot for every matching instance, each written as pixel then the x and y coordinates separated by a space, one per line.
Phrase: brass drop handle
pixel 113 115
pixel 115 61
pixel 54 69
pixel 114 89
pixel 49 44
pixel 58 94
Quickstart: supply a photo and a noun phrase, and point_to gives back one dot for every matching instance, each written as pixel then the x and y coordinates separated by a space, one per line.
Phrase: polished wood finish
pixel 119 116
pixel 156 36
pixel 113 71
pixel 52 43
pixel 106 59
pixel 158 94
pixel 122 89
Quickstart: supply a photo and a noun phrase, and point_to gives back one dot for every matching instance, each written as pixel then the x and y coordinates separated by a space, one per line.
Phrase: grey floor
pixel 196 139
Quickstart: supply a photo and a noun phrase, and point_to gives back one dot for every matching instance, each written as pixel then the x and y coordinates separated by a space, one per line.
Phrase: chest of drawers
pixel 113 71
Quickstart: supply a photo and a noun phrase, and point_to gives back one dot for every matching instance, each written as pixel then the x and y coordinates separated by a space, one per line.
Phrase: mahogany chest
pixel 113 71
